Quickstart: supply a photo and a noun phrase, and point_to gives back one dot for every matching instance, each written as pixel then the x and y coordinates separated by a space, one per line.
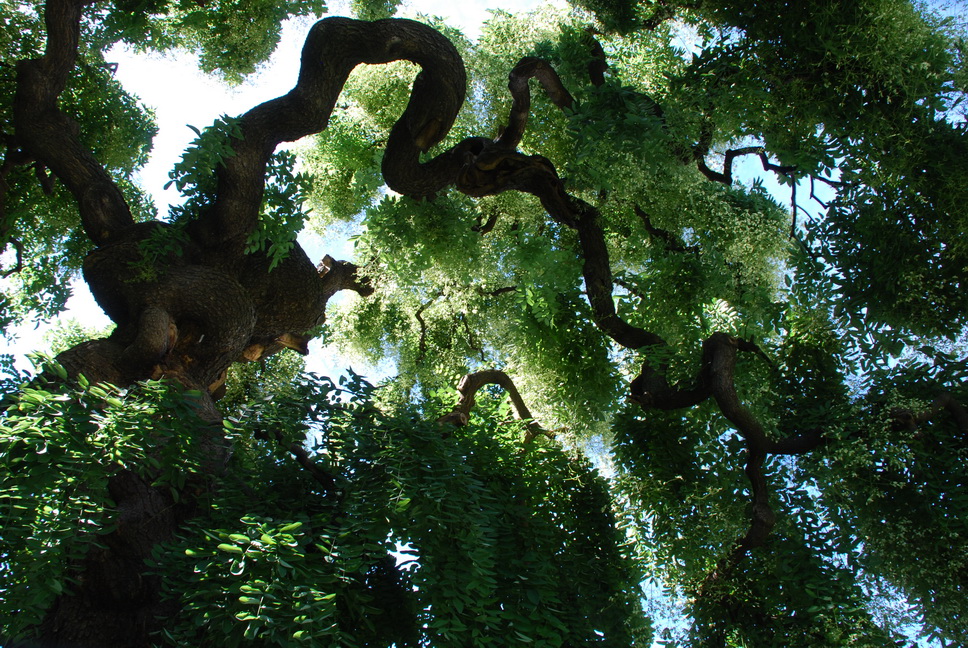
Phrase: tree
pixel 589 251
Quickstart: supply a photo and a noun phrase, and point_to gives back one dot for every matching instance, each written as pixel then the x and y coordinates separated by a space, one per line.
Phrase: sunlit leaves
pixel 231 37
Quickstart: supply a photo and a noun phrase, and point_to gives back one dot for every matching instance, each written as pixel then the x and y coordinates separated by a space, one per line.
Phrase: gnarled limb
pixel 333 48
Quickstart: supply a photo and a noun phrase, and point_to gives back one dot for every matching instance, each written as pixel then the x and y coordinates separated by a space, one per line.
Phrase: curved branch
pixel 418 315
pixel 799 443
pixel 726 177
pixel 51 136
pixel 723 351
pixel 598 283
pixel 333 48
pixel 672 242
pixel 526 69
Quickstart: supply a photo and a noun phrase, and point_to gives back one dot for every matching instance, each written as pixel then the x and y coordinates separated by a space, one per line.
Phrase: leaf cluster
pixel 60 446
pixel 429 538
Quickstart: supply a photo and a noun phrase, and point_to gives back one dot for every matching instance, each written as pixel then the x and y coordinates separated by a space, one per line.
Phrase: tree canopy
pixel 636 397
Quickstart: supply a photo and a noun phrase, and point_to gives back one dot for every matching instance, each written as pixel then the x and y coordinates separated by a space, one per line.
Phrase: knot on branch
pixel 342 275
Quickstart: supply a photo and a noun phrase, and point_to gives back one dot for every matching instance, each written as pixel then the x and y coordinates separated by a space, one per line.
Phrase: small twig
pixel 836 184
pixel 18 246
pixel 813 195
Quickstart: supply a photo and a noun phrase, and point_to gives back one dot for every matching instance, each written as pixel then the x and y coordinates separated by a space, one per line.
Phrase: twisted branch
pixel 333 48
pixel 468 387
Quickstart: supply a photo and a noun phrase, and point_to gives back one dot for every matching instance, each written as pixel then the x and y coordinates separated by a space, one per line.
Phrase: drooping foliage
pixel 456 539
pixel 720 243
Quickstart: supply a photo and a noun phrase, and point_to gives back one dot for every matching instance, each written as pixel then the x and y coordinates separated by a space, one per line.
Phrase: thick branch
pixel 341 275
pixel 598 283
pixel 51 136
pixel 722 351
pixel 333 48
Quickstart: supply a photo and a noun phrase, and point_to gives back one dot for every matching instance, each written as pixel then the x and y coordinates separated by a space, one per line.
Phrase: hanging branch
pixel 536 175
pixel 484 228
pixel 468 387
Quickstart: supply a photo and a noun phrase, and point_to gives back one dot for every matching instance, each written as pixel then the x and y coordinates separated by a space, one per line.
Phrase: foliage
pixel 60 446
pixel 865 100
pixel 453 539
pixel 231 37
